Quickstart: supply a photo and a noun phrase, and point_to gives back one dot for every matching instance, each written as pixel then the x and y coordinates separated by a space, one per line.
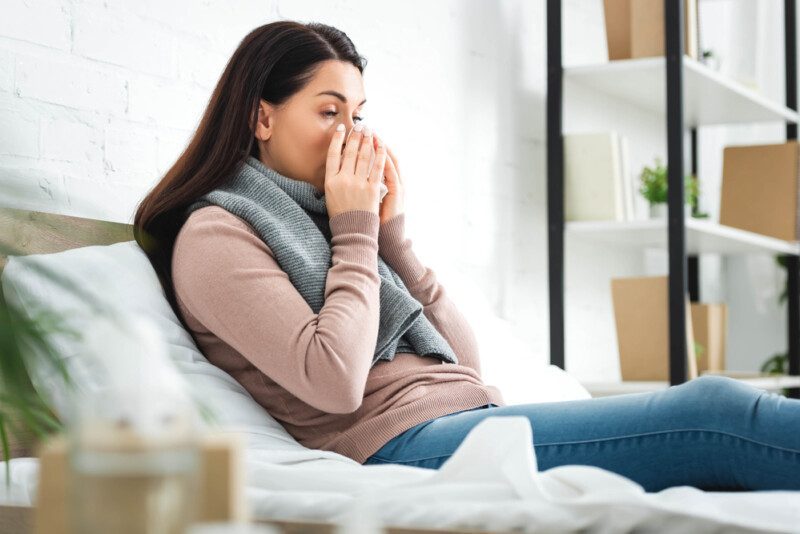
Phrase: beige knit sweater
pixel 311 372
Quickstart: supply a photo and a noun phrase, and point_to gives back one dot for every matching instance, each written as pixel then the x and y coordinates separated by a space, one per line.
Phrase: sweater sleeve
pixel 228 278
pixel 395 249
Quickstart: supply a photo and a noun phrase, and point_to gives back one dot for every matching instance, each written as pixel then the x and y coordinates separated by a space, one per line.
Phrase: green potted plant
pixel 653 187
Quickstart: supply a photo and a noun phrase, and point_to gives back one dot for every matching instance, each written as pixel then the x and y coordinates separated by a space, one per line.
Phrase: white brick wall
pixel 103 95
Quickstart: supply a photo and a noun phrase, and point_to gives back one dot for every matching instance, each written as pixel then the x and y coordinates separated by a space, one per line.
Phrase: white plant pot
pixel 659 211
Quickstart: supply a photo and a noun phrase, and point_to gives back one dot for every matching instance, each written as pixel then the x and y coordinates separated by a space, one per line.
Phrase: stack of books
pixel 598 185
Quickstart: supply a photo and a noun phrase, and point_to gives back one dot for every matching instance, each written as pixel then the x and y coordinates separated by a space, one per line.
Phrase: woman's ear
pixel 263 129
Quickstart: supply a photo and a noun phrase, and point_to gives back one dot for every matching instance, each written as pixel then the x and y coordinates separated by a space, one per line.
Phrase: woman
pixel 279 254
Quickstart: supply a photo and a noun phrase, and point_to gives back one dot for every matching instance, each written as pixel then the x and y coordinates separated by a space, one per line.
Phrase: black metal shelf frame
pixel 683 271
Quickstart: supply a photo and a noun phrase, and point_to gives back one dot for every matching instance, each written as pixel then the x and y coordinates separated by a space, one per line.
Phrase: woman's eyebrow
pixel 339 95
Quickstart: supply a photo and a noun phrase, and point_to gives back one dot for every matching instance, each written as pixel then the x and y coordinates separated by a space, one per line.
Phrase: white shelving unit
pixel 708 98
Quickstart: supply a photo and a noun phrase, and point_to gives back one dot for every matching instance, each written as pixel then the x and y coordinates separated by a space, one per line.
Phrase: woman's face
pixel 294 138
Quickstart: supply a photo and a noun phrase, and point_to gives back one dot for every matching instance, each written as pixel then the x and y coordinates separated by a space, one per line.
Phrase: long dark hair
pixel 273 62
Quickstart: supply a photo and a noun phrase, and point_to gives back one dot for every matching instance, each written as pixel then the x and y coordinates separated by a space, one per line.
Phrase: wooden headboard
pixel 35 232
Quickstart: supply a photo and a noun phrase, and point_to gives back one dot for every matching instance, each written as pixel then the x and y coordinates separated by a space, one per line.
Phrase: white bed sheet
pixel 491 482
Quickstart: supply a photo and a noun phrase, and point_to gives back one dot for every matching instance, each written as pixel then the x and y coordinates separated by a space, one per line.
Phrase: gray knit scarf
pixel 291 217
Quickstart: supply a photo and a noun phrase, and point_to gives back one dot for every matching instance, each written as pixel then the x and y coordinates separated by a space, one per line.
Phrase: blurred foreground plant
pixel 23 411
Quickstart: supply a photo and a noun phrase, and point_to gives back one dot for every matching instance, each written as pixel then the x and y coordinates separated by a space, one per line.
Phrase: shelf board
pixel 709 97
pixel 702 236
pixel 759 380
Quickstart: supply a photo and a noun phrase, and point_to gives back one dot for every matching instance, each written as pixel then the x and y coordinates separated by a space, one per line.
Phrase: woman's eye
pixel 332 113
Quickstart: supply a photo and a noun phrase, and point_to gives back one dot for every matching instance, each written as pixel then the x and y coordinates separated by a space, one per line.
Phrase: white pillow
pixel 518 374
pixel 120 275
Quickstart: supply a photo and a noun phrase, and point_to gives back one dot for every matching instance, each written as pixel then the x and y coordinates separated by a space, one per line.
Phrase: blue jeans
pixel 713 433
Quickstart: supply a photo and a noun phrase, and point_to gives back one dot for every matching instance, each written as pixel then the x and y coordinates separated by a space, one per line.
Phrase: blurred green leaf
pixel 22 409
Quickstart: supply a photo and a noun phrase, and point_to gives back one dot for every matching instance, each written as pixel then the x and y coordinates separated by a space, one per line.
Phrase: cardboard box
pixel 641 312
pixel 760 188
pixel 710 327
pixel 635 28
pixel 220 492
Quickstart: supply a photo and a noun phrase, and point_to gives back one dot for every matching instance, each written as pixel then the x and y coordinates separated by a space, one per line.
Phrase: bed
pixel 490 484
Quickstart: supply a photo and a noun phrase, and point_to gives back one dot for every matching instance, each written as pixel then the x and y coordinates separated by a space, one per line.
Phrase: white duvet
pixel 491 482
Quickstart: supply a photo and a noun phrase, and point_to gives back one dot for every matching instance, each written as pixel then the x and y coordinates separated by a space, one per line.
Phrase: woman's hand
pixel 393 202
pixel 352 180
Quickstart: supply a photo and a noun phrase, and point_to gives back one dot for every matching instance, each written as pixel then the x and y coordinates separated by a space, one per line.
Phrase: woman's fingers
pixel 376 174
pixel 365 153
pixel 395 166
pixel 391 168
pixel 351 150
pixel 334 160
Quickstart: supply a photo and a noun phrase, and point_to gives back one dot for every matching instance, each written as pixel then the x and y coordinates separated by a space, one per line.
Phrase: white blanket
pixel 490 482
